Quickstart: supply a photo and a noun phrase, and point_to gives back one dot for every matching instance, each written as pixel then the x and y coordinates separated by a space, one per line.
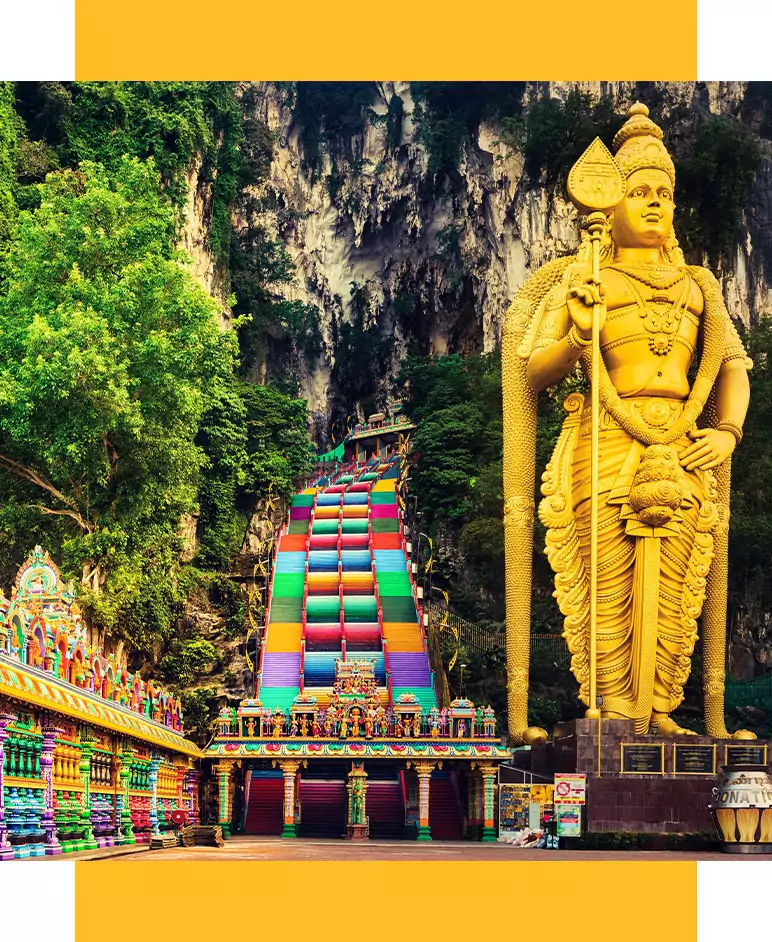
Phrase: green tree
pixel 10 128
pixel 111 351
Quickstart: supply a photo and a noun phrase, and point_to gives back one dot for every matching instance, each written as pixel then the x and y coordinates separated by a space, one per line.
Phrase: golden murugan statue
pixel 664 435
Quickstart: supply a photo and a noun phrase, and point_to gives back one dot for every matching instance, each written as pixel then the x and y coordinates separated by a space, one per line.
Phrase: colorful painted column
pixel 473 803
pixel 224 769
pixel 424 771
pixel 155 762
pixel 125 828
pixel 290 769
pixel 86 751
pixel 192 777
pixel 6 850
pixel 357 829
pixel 489 784
pixel 52 845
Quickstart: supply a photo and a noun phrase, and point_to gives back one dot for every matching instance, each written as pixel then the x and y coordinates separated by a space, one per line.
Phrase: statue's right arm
pixel 553 357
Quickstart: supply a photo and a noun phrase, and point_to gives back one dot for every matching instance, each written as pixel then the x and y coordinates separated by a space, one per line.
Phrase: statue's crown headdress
pixel 638 144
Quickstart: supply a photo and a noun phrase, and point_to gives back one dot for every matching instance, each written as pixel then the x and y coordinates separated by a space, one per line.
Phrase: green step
pixel 385 525
pixel 398 608
pixel 394 583
pixel 287 609
pixel 289 584
pixel 360 608
pixel 354 525
pixel 425 695
pixel 321 527
pixel 303 500
pixel 297 527
pixel 282 697
pixel 322 608
pixel 383 497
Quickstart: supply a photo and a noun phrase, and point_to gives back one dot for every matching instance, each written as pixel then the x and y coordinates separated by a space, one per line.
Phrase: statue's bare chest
pixel 651 319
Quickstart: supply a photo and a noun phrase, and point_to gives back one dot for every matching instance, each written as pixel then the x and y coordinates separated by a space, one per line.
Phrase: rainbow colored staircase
pixel 342 589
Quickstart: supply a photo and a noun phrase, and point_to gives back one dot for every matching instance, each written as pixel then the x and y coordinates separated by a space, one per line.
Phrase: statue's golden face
pixel 644 218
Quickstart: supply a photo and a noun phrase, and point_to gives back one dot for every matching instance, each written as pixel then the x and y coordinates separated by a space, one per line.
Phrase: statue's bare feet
pixel 667 726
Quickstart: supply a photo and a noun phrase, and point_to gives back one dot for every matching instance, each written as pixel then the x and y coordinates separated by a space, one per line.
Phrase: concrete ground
pixel 247 847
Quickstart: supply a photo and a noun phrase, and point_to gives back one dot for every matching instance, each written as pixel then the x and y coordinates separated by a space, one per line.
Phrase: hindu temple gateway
pixel 346 733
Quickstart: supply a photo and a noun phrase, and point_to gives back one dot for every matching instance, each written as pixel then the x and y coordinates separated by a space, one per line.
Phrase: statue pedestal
pixel 655 784
pixel 356 832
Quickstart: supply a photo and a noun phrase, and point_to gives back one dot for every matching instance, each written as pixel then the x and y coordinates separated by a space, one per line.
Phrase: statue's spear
pixel 595 185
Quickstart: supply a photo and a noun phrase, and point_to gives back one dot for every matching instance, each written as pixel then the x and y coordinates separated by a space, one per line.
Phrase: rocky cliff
pixel 429 265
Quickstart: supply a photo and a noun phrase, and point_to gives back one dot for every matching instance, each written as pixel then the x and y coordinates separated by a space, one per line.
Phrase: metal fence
pixel 487 640
pixel 749 693
pixel 470 634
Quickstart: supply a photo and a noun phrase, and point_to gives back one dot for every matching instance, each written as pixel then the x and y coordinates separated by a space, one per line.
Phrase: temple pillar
pixel 357 829
pixel 224 794
pixel 290 769
pixel 489 775
pixel 192 777
pixel 424 771
pixel 6 850
pixel 86 751
pixel 125 827
pixel 155 762
pixel 473 805
pixel 52 845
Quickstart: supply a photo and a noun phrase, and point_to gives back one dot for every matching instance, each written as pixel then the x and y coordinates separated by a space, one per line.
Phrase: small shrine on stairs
pixel 91 755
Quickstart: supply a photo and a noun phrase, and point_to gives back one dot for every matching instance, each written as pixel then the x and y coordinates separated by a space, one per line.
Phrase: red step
pixel 444 810
pixel 386 810
pixel 323 808
pixel 265 811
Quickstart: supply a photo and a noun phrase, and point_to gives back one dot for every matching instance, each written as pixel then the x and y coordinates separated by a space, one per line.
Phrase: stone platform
pixel 664 786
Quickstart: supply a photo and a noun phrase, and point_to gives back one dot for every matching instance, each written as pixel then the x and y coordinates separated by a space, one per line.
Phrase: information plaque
pixel 746 754
pixel 643 758
pixel 697 759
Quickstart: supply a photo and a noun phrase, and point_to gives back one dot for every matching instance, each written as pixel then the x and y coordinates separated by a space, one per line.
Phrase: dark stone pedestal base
pixel 666 802
pixel 356 832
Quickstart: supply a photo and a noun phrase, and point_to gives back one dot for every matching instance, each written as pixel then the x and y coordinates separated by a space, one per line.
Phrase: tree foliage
pixel 112 350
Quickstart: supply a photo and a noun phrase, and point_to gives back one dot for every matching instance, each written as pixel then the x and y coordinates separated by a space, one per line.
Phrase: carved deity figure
pixel 674 391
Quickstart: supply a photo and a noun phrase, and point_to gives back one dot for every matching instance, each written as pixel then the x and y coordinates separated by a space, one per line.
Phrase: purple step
pixel 281 669
pixel 409 669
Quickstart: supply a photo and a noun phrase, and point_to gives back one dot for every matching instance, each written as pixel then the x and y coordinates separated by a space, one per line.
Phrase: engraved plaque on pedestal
pixel 746 754
pixel 642 758
pixel 696 759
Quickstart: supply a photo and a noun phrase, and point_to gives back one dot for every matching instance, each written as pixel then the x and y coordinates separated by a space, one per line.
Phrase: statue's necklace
pixel 658 278
pixel 661 316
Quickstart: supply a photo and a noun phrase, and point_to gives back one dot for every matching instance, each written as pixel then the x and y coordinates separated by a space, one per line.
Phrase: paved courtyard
pixel 262 848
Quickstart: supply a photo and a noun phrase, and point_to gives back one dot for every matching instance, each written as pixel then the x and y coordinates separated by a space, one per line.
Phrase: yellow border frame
pixel 698 745
pixel 646 745
pixel 745 745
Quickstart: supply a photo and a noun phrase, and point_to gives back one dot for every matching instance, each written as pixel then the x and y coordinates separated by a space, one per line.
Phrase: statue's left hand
pixel 710 448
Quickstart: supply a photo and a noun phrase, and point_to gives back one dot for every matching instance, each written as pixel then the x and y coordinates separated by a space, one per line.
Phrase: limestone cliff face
pixel 452 258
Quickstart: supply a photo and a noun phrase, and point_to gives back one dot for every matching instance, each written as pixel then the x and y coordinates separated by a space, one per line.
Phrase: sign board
pixel 694 759
pixel 570 788
pixel 643 759
pixel 569 820
pixel 534 816
pixel 746 755
pixel 513 806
